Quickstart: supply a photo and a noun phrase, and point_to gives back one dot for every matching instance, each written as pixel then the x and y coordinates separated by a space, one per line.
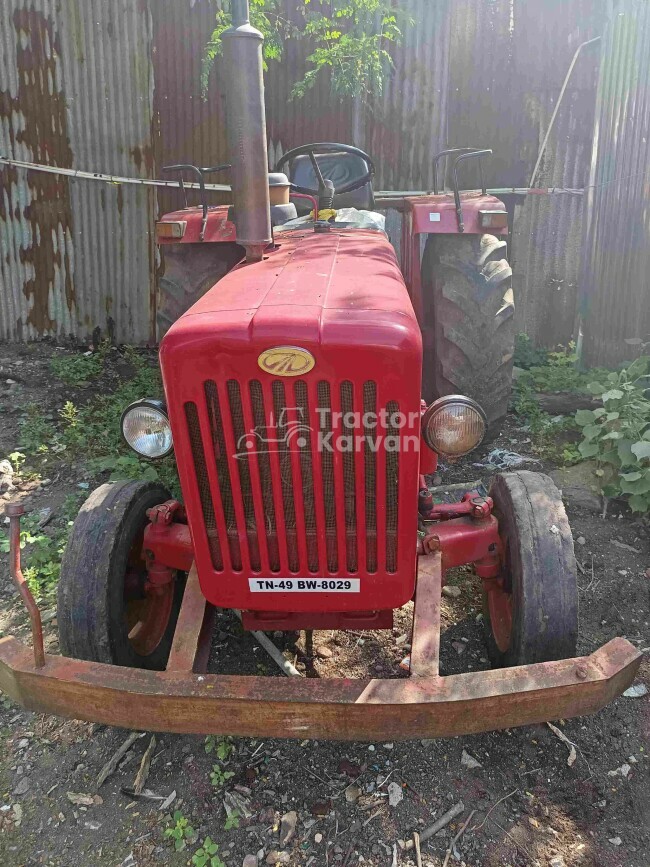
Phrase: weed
pixel 221 746
pixel 43 551
pixel 527 355
pixel 78 370
pixel 617 434
pixel 232 821
pixel 207 855
pixel 181 832
pixel 218 777
pixel 36 433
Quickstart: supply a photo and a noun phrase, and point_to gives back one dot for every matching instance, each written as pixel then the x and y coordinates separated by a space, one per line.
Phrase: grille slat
pixel 392 486
pixel 265 474
pixel 243 467
pixel 370 467
pixel 308 510
pixel 327 476
pixel 348 428
pixel 306 474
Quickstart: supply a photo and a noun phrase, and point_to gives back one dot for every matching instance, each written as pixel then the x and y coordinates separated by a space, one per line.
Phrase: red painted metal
pixel 340 296
pixel 465 540
pixel 436 215
pixel 218 228
pixel 471 504
pixel 170 544
pixel 289 621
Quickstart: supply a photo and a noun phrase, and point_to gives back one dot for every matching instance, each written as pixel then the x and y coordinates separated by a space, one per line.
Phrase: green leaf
pixel 591 430
pixel 642 486
pixel 588 450
pixel 625 452
pixel 638 368
pixel 639 503
pixel 612 416
pixel 613 394
pixel 613 435
pixel 595 388
pixel 641 449
pixel 599 412
pixel 585 416
pixel 632 477
pixel 610 491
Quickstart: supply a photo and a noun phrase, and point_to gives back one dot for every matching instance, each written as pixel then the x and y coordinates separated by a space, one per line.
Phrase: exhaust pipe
pixel 242 50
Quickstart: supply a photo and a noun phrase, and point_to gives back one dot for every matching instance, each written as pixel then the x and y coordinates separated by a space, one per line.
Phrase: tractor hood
pixel 321 328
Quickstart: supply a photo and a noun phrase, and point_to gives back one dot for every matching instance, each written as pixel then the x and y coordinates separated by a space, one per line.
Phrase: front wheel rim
pixel 147 609
pixel 500 602
pixel 500 608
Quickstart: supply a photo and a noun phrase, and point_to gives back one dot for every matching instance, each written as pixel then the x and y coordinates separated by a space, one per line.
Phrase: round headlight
pixel 145 427
pixel 454 425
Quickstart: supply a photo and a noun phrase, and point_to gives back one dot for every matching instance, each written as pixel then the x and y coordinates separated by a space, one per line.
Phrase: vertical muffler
pixel 246 119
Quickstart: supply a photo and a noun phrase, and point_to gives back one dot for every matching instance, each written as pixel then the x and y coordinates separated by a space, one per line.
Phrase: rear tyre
pixel 469 331
pixel 190 270
pixel 105 612
pixel 531 612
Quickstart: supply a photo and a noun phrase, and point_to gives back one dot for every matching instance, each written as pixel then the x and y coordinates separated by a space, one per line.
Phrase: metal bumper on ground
pixel 338 709
pixel 424 705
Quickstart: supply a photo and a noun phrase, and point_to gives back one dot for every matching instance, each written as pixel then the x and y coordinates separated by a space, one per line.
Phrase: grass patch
pixel 85 437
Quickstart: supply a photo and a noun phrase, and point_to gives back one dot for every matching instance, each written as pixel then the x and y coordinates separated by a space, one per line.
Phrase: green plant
pixel 527 355
pixel 207 855
pixel 43 551
pixel 350 40
pixel 17 459
pixel 181 832
pixel 78 370
pixel 617 435
pixel 232 820
pixel 218 777
pixel 221 746
pixel 351 43
pixel 36 433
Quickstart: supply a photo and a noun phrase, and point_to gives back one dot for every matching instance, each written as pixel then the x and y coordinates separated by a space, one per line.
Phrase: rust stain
pixel 44 132
pixel 143 156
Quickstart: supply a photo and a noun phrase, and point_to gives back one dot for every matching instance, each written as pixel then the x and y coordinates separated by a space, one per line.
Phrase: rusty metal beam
pixel 425 647
pixel 337 709
pixel 191 646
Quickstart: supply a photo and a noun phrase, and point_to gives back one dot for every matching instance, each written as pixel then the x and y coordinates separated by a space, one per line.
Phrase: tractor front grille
pixel 274 499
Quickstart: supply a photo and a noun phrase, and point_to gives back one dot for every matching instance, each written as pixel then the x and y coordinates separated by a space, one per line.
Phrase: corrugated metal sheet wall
pixel 615 287
pixel 482 72
pixel 76 91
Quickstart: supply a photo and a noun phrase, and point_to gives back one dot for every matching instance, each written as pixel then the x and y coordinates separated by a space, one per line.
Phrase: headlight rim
pixel 443 402
pixel 159 406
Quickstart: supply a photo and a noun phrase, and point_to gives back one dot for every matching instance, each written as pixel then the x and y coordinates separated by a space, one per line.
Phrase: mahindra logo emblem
pixel 286 361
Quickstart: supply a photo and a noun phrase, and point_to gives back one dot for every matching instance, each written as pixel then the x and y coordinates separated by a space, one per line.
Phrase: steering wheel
pixel 326 189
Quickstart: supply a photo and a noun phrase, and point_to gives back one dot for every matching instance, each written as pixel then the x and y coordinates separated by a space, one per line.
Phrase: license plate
pixel 304 585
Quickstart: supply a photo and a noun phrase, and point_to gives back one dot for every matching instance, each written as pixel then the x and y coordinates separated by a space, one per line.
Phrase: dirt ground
pixel 531 806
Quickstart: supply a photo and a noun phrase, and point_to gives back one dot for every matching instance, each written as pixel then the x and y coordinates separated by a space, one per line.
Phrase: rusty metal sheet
pixel 615 293
pixel 76 91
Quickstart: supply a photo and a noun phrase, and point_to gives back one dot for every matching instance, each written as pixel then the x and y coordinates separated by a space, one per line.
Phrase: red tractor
pixel 293 400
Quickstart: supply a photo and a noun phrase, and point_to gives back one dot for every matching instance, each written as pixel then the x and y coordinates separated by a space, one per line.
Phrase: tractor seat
pixel 340 168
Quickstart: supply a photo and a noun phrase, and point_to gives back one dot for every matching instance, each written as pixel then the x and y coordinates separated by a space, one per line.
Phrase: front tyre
pixel 106 612
pixel 531 611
